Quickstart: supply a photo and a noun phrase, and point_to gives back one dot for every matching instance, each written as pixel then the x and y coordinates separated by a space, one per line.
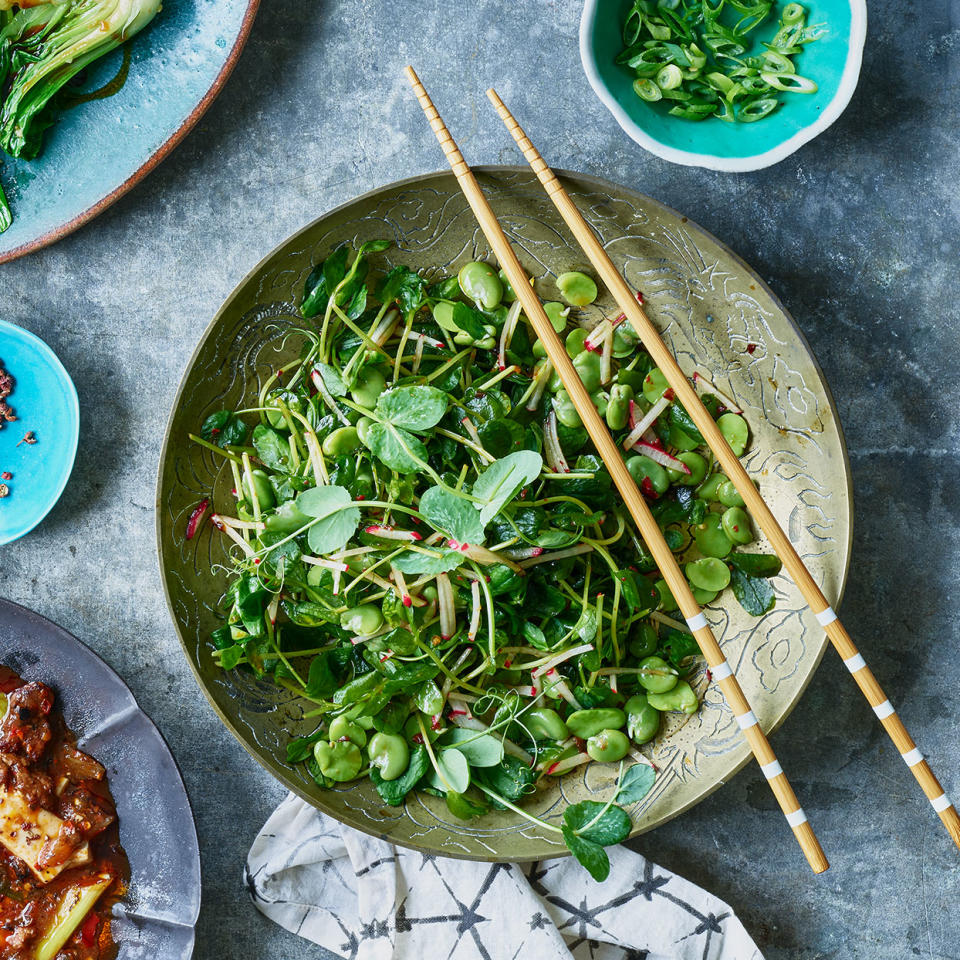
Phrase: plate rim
pixel 156 157
pixel 492 169
pixel 74 403
pixel 28 614
pixel 756 161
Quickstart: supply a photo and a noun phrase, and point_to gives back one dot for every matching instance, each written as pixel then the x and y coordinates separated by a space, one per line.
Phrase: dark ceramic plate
pixel 156 920
pixel 715 312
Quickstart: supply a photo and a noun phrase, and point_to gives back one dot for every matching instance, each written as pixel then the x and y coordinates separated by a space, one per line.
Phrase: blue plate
pixel 96 151
pixel 45 402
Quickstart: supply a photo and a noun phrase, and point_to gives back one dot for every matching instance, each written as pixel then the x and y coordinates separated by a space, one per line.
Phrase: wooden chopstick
pixel 721 671
pixel 628 303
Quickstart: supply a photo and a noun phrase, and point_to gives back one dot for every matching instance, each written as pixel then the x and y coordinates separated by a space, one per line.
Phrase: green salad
pixel 699 59
pixel 426 548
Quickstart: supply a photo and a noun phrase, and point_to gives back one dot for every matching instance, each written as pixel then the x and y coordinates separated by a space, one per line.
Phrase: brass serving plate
pixel 711 307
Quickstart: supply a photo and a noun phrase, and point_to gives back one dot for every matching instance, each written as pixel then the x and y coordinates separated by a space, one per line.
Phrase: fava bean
pixel 600 401
pixel 681 440
pixel 574 342
pixel 286 518
pixel 607 746
pixel 343 729
pixel 710 488
pixel 338 761
pixel 585 723
pixel 710 538
pixel 261 487
pixel 618 409
pixel 363 428
pixel 680 699
pixel 708 574
pixel 341 442
pixel 703 597
pixel 389 753
pixel 277 399
pixel 368 387
pixel 668 602
pixel 643 721
pixel 736 525
pixel 487 342
pixel 479 282
pixel 625 340
pixel 443 315
pixel 654 385
pixel 565 410
pixel 577 288
pixel 729 495
pixel 545 723
pixel 509 294
pixel 658 675
pixel 641 468
pixel 363 620
pixel 588 366
pixel 697 466
pixel 557 314
pixel 735 431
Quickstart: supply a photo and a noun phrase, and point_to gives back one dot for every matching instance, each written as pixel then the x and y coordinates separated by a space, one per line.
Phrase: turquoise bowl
pixel 833 62
pixel 45 402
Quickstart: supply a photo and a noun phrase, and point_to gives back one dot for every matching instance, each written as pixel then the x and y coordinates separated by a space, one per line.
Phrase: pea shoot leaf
pixel 404 286
pixel 223 428
pixel 453 771
pixel 271 448
pixel 421 563
pixel 502 480
pixel 613 826
pixel 398 449
pixel 754 594
pixel 394 791
pixel 465 807
pixel 589 854
pixel 480 749
pixel 511 778
pixel 636 783
pixel 416 408
pixel 336 517
pixel 756 564
pixel 452 515
pixel 331 379
pixel 638 593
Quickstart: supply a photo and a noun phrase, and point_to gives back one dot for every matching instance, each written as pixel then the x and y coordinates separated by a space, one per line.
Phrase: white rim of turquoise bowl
pixel 74 402
pixel 848 83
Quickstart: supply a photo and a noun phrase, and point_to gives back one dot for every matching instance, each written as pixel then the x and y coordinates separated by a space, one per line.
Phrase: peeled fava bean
pixel 389 753
pixel 681 699
pixel 585 723
pixel 340 761
pixel 607 746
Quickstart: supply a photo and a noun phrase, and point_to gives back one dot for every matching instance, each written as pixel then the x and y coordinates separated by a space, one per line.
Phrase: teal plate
pixel 833 62
pixel 97 150
pixel 45 402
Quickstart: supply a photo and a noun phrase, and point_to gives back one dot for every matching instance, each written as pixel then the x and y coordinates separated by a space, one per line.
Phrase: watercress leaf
pixel 754 594
pixel 336 517
pixel 326 674
pixel 402 676
pixel 302 747
pixel 511 778
pixel 222 637
pixel 331 379
pixel 678 646
pixel 464 807
pixel 250 604
pixel 613 826
pixel 679 417
pixel 271 448
pixel 357 304
pixel 308 613
pixel 638 593
pixel 534 636
pixel 502 480
pixel 756 564
pixel 404 286
pixel 468 320
pixel 480 749
pixel 398 449
pixel 394 791
pixel 230 656
pixel 415 408
pixel 636 783
pixel 446 289
pixel 335 267
pixel 376 246
pixel 452 515
pixel 501 437
pixel 589 854
pixel 223 428
pixel 453 769
pixel 420 563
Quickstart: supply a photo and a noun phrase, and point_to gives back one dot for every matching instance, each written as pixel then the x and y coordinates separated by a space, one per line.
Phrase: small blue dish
pixel 833 62
pixel 45 402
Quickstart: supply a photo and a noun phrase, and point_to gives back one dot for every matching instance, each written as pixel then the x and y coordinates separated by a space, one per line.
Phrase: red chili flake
pixel 581 744
pixel 506 664
pixel 735 529
pixel 640 296
pixel 751 347
pixel 417 738
pixel 646 488
pixel 214 431
pixel 279 374
pixel 407 601
pixel 709 676
pixel 668 393
pixel 435 722
pixel 195 520
pixel 256 561
pixel 7 475
pixel 88 932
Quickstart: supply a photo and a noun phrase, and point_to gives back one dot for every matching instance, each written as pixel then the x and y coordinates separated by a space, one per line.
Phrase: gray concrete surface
pixel 858 233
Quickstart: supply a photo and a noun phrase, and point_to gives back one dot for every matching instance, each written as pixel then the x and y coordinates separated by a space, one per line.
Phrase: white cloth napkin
pixel 367 899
